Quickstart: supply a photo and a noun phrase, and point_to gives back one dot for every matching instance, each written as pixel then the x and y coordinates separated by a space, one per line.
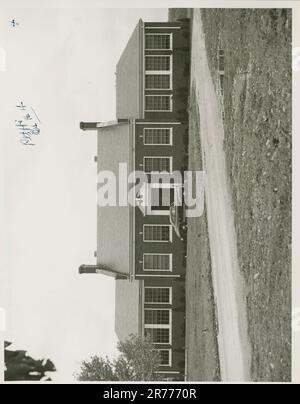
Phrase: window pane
pixel 157 136
pixel 156 233
pixel 158 41
pixel 164 356
pixel 157 262
pixel 157 81
pixel 157 164
pixel 157 316
pixel 158 335
pixel 158 103
pixel 158 63
pixel 157 295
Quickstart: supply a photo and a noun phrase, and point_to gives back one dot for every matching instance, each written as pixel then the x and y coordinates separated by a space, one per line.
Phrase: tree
pixel 137 361
pixel 20 366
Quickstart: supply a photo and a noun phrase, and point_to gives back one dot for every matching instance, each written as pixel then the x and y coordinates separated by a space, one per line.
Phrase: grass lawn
pixel 258 143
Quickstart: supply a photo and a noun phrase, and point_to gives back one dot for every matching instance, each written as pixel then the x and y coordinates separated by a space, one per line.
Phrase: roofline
pixel 142 67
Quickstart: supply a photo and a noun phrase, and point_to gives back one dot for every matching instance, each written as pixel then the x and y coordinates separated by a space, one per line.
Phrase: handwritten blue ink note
pixel 27 125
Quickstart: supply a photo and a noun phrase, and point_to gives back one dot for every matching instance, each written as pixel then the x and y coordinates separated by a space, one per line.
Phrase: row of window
pixel 158 76
pixel 158 322
pixel 158 72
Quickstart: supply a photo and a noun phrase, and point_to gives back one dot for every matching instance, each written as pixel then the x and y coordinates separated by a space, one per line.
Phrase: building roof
pixel 129 84
pixel 128 308
pixel 115 223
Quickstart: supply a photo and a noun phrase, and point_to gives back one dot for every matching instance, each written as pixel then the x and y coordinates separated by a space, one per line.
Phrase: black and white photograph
pixel 146 193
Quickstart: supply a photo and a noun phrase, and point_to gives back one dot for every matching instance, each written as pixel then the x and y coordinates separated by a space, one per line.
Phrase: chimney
pixel 101 269
pixel 88 125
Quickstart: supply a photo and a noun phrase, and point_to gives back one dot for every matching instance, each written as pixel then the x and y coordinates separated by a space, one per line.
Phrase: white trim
pixel 160 95
pixel 162 28
pixel 170 302
pixel 159 270
pixel 159 157
pixel 158 123
pixel 158 275
pixel 159 241
pixel 159 144
pixel 170 34
pixel 159 212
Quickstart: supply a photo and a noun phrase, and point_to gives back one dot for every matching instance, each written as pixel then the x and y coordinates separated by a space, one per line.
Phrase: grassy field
pixel 258 125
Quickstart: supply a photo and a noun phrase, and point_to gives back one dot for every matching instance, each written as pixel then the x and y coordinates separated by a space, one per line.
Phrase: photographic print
pixel 146 194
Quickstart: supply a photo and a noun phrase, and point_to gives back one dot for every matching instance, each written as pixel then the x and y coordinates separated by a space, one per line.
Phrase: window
pixel 158 335
pixel 158 136
pixel 165 357
pixel 158 73
pixel 157 262
pixel 157 81
pixel 159 233
pixel 158 103
pixel 158 295
pixel 157 316
pixel 157 63
pixel 158 41
pixel 157 164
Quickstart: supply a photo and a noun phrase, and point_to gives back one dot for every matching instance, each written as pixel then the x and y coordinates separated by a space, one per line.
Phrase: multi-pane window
pixel 157 136
pixel 157 164
pixel 158 295
pixel 158 335
pixel 157 316
pixel 157 63
pixel 157 81
pixel 158 41
pixel 158 103
pixel 157 262
pixel 157 232
pixel 165 357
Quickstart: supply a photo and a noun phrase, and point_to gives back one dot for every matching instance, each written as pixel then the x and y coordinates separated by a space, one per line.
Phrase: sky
pixel 61 62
